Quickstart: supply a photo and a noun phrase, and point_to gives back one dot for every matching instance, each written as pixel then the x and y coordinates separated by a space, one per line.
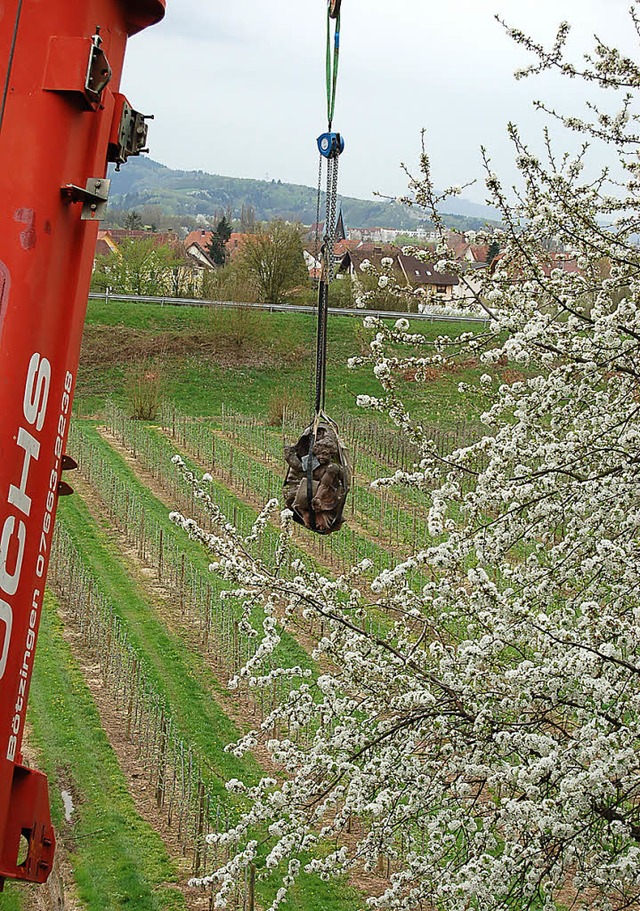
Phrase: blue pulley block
pixel 331 145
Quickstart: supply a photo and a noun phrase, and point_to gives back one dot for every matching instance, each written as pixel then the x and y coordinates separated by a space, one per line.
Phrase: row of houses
pixel 440 287
pixel 349 255
pixel 192 254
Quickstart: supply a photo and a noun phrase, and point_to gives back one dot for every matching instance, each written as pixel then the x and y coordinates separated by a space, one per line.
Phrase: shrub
pixel 144 389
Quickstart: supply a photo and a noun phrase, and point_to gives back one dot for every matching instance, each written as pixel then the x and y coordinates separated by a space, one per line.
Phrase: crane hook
pixel 334 8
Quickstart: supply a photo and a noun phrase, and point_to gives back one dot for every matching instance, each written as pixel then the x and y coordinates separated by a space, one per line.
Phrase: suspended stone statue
pixel 318 478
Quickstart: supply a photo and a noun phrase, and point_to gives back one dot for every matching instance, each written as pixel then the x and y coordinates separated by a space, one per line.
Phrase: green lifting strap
pixel 333 59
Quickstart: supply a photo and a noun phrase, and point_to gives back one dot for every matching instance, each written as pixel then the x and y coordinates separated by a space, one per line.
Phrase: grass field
pixel 205 363
pixel 246 360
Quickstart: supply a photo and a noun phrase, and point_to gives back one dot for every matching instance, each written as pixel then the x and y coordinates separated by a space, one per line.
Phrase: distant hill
pixel 144 182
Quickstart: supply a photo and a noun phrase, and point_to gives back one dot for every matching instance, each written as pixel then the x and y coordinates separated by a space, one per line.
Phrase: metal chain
pixel 317 254
pixel 332 207
pixel 328 271
pixel 321 353
pixel 329 231
pixel 318 203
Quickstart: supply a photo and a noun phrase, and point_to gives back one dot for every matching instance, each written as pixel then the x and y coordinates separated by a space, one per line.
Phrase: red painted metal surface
pixel 54 132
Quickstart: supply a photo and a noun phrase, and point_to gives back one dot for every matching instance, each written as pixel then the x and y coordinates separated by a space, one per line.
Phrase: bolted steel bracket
pixel 99 72
pixel 94 197
pixel 128 132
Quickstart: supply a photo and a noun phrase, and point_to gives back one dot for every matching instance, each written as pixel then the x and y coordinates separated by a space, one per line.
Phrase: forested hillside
pixel 145 182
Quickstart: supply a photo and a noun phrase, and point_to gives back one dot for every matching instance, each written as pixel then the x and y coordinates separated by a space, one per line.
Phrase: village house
pixel 196 245
pixel 110 239
pixel 409 270
pixel 313 245
pixel 184 278
pixel 565 262
pixel 375 235
pixel 464 252
pixel 235 244
pixel 312 261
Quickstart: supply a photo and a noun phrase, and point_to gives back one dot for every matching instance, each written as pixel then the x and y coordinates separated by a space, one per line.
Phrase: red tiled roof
pixel 120 234
pixel 457 244
pixel 109 240
pixel 479 252
pixel 342 246
pixel 566 262
pixel 368 247
pixel 117 235
pixel 421 273
pixel 236 242
pixel 202 238
pixel 561 261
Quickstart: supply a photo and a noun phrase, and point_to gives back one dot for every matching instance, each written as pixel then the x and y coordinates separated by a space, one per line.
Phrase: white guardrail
pixel 433 316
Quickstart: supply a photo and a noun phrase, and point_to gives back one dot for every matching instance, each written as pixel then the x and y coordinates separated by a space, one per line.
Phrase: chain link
pixel 332 207
pixel 328 272
pixel 318 202
pixel 313 376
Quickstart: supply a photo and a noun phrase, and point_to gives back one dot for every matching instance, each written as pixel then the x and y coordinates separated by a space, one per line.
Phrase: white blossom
pixel 476 705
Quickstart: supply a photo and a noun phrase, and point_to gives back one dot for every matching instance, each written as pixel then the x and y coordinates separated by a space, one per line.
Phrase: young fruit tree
pixel 273 262
pixel 485 740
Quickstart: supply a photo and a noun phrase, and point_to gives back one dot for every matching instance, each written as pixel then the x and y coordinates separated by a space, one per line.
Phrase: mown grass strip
pixel 119 861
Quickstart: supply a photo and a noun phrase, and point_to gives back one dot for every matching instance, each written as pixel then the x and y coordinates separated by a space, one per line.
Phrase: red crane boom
pixel 61 119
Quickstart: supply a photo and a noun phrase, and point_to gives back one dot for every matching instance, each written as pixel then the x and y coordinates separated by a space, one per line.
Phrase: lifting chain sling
pixel 319 471
pixel 330 147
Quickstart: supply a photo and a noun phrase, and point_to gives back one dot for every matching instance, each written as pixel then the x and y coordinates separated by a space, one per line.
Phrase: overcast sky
pixel 238 88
